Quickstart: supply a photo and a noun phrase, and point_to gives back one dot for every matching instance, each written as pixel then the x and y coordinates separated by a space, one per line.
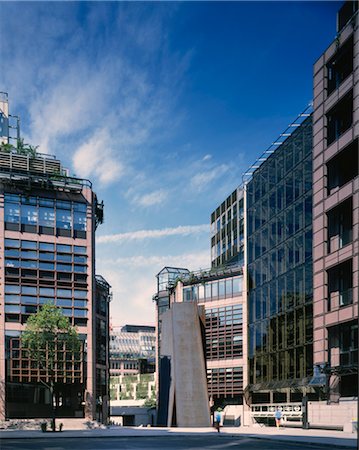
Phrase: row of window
pixel 31 300
pixel 32 309
pixel 285 365
pixel 50 292
pixel 45 266
pixel 282 332
pixel 228 288
pixel 225 381
pixel 220 317
pixel 44 246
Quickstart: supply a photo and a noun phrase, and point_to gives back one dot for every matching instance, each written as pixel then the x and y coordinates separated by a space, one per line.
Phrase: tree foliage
pixel 45 332
pixel 20 149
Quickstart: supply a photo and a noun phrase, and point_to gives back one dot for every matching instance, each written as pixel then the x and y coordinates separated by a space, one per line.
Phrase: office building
pixel 227 231
pixel 47 247
pixel 336 208
pixel 279 266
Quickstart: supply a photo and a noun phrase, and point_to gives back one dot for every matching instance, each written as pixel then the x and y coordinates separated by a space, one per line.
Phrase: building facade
pixel 227 231
pixel 47 244
pixel 132 350
pixel 279 267
pixel 336 208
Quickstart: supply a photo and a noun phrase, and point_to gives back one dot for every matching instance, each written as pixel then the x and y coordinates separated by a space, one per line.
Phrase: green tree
pixel 47 332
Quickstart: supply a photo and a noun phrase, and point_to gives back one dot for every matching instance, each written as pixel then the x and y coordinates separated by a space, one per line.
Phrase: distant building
pixel 132 350
pixel 336 208
pixel 47 248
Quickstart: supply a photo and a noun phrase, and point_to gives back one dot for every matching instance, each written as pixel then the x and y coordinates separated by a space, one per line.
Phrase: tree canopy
pixel 45 332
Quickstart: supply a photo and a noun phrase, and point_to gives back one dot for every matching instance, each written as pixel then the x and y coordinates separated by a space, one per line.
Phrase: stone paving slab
pixel 330 438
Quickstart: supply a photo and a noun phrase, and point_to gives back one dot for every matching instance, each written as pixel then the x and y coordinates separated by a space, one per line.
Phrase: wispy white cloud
pixel 193 261
pixel 152 198
pixel 122 273
pixel 97 157
pixel 201 181
pixel 183 230
pixel 206 157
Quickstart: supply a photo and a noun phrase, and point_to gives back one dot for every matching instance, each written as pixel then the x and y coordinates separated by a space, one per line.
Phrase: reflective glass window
pixel 12 213
pixel 64 257
pixel 60 204
pixel 30 290
pixel 67 312
pixel 64 267
pixel 50 292
pixel 80 303
pixel 64 248
pixel 46 266
pixel 28 215
pixel 80 249
pixel 79 221
pixel 12 253
pixel 47 202
pixel 80 313
pixel 28 254
pixel 12 309
pixel 215 289
pixel 221 288
pixel 64 293
pixel 80 269
pixel 29 245
pixel 11 289
pixel 28 299
pixel 15 243
pixel 29 264
pixel 46 246
pixel 229 288
pixel 80 294
pixel 46 256
pixel 63 219
pixel 46 217
pixel 80 259
pixel 63 302
pixel 15 299
pixel 81 207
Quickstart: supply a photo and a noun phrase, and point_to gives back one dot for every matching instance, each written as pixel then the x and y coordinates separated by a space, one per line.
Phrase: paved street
pixel 187 442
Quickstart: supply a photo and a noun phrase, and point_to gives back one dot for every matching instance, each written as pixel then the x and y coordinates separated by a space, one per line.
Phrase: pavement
pixel 311 437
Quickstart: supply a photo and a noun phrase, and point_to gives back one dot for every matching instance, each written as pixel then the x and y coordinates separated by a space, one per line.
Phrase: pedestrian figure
pixel 217 420
pixel 278 417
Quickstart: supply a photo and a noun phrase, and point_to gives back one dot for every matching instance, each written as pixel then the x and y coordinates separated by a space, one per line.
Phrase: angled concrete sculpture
pixel 182 345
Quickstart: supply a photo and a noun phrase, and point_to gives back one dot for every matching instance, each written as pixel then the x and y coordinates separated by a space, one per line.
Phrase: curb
pixel 292 439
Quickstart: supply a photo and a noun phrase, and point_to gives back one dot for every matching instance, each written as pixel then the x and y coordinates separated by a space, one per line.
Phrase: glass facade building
pixel 227 231
pixel 280 286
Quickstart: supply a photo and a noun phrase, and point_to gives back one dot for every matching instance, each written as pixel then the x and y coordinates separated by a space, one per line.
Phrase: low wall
pixel 335 414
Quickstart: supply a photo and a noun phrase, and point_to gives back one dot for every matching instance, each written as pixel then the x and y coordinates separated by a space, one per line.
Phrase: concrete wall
pixel 335 414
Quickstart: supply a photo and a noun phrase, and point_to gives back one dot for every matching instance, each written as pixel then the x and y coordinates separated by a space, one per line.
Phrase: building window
pixel 340 285
pixel 39 215
pixel 340 66
pixel 343 167
pixel 340 118
pixel 340 225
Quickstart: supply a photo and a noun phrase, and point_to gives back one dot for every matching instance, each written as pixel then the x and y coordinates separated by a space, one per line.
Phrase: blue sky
pixel 163 106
